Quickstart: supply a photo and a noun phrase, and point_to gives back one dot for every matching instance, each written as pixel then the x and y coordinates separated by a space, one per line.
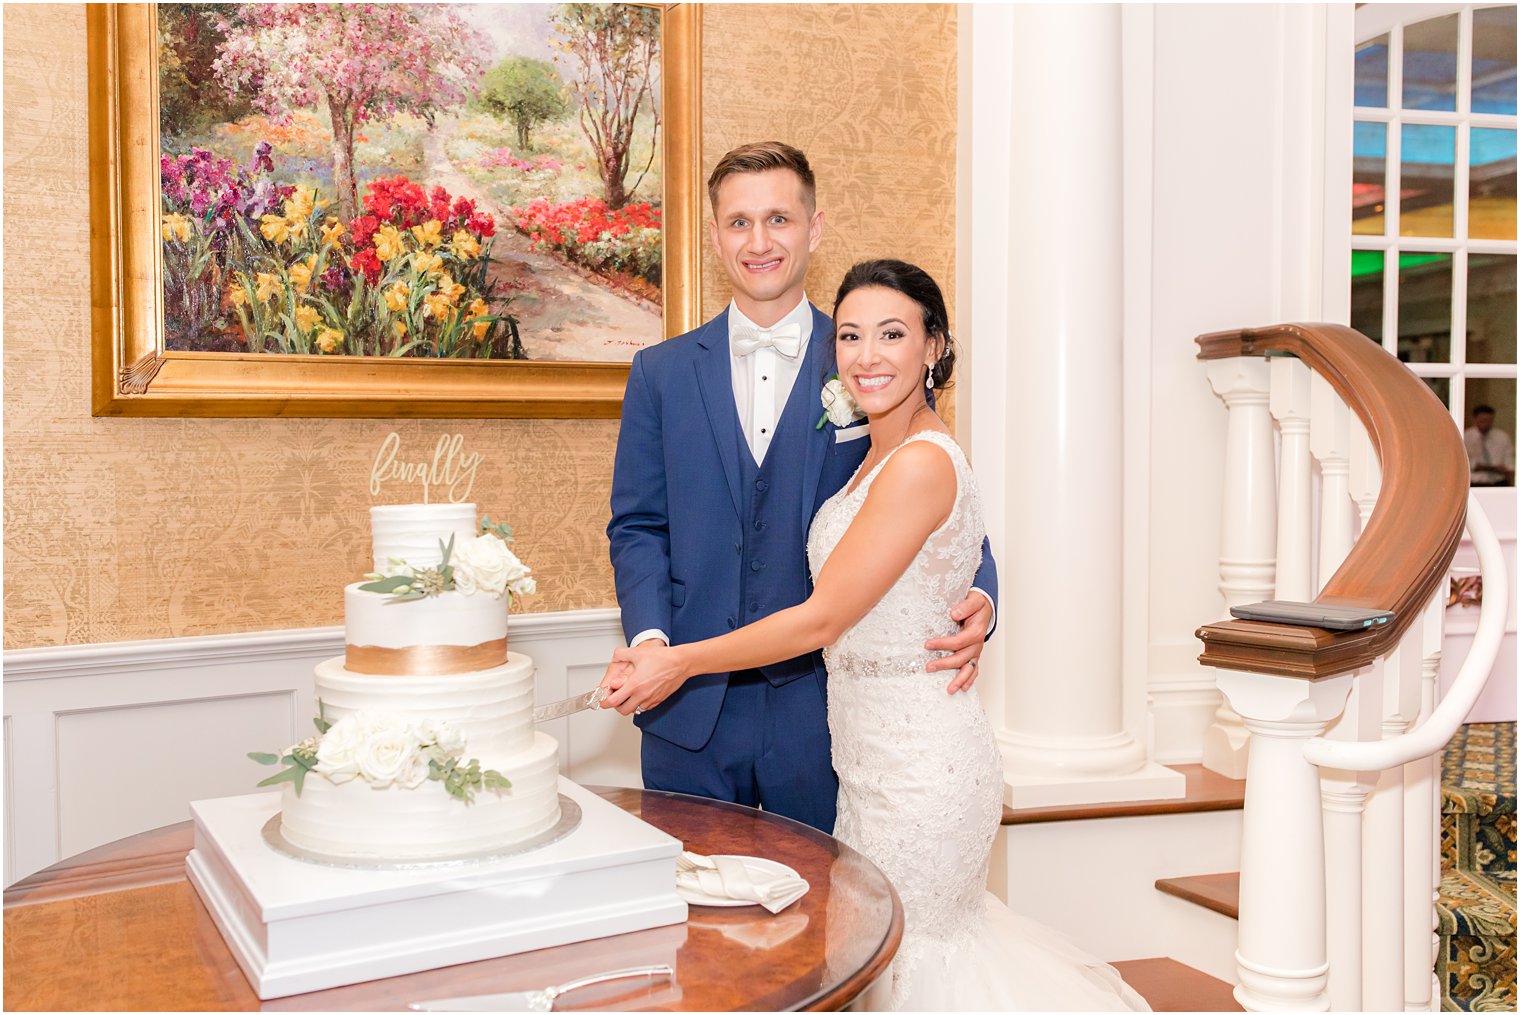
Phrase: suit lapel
pixel 715 385
pixel 817 368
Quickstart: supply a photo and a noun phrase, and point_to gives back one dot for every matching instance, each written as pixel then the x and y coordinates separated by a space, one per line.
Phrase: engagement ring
pixel 638 711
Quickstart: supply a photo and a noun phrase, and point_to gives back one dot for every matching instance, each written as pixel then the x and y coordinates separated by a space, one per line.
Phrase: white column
pixel 1248 524
pixel 1281 953
pixel 1063 736
pixel 1295 491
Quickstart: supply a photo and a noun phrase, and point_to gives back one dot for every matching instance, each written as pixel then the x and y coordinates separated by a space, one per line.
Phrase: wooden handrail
pixel 1403 554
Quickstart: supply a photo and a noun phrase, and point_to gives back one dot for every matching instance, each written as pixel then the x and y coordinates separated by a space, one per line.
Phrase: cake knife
pixel 534 1000
pixel 570 706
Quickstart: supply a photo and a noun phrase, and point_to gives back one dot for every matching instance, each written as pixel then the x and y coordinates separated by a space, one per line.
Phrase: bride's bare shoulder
pixel 921 470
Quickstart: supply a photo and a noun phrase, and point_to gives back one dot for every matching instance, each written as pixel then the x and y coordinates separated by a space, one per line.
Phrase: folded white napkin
pixel 727 877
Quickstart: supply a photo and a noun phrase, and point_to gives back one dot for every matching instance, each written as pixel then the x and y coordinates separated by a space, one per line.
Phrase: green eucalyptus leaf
pixel 283 775
pixel 264 758
pixel 387 585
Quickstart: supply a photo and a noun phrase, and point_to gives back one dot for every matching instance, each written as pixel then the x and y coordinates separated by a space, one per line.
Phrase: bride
pixel 920 781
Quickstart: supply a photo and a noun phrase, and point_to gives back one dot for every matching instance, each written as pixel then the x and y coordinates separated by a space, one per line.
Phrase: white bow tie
pixel 784 338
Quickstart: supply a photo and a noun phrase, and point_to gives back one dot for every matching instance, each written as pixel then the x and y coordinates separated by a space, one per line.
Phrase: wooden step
pixel 1168 985
pixel 1219 892
pixel 1206 791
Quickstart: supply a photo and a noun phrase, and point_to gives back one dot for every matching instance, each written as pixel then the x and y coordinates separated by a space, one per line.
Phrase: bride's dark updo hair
pixel 916 284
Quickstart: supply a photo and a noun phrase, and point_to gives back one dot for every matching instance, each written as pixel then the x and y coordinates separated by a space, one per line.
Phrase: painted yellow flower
pixel 332 230
pixel 301 203
pixel 430 233
pixel 274 228
pixel 299 227
pixel 176 226
pixel 448 288
pixel 426 264
pixel 478 308
pixel 389 244
pixel 307 318
pixel 237 295
pixel 399 327
pixel 329 339
pixel 300 273
pixel 269 285
pixel 396 297
pixel 436 305
pixel 465 245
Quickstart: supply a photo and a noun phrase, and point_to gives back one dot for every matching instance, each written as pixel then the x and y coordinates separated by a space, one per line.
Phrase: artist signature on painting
pixel 452 468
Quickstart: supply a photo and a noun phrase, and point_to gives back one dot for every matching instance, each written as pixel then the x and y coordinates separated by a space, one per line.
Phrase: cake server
pixel 570 706
pixel 535 1000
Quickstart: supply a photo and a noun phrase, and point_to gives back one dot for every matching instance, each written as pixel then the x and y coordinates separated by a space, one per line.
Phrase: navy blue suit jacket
pixel 676 509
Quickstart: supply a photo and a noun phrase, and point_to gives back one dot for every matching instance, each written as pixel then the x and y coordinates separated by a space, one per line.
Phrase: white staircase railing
pixel 1339 860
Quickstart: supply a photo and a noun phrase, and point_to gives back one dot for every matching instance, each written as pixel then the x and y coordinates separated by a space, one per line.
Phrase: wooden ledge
pixel 1206 791
pixel 1401 558
pixel 1219 892
pixel 1168 985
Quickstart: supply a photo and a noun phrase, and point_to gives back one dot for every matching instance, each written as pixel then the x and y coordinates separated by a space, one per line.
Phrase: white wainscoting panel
pixel 115 739
pixel 184 750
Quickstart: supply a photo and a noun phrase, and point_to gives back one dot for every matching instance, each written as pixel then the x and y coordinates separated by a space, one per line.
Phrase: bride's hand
pixel 650 674
pixel 974 614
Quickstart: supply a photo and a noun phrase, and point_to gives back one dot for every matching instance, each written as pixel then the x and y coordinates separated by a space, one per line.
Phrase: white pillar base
pixel 1023 790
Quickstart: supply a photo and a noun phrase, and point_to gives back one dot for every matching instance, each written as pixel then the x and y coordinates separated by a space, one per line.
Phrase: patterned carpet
pixel 1476 961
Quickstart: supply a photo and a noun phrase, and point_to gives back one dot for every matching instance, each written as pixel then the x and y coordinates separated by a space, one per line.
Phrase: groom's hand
pixel 974 614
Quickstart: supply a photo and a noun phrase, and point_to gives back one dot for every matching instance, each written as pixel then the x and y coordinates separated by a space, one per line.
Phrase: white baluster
pixel 1344 793
pixel 1248 536
pixel 1281 954
pixel 1295 493
pixel 1383 858
pixel 1423 830
pixel 1330 440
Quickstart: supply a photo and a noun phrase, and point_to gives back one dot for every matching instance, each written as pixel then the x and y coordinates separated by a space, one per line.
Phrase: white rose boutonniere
pixel 839 407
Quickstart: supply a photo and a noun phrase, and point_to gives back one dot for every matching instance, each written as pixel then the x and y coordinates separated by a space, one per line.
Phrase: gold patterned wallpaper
pixel 123 529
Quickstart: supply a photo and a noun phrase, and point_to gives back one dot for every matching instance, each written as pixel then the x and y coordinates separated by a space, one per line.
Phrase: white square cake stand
pixel 296 926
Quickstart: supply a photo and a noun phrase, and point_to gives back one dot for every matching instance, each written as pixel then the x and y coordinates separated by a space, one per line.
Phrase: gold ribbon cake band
pixel 424 660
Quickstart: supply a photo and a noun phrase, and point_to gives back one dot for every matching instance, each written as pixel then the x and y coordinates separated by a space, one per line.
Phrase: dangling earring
pixel 929 380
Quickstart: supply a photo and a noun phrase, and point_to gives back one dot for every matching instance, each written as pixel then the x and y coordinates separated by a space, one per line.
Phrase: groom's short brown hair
pixel 757 157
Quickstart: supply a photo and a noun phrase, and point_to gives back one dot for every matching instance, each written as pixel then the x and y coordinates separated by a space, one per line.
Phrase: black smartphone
pixel 1335 618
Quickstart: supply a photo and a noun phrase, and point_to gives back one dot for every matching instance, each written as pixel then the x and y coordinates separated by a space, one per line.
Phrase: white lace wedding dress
pixel 920 788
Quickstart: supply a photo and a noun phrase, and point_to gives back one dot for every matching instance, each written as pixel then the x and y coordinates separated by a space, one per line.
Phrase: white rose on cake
pixel 485 564
pixel 388 754
pixel 337 752
pixel 440 735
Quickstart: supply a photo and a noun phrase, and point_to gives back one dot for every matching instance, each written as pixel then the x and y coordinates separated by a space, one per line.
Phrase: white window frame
pixel 1372 21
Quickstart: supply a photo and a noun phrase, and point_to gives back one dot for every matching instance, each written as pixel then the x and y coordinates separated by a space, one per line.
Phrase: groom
pixel 721 465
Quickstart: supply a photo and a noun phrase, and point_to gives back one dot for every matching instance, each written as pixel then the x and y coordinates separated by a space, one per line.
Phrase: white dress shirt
pixel 763 379
pixel 1488 454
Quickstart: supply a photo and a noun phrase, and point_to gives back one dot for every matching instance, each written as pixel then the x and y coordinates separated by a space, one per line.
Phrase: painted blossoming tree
pixel 612 52
pixel 364 62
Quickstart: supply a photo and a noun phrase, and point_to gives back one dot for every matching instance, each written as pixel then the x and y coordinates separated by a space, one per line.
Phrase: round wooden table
pixel 119 927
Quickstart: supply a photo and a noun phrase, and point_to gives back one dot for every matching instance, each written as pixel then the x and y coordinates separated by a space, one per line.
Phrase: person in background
pixel 1490 452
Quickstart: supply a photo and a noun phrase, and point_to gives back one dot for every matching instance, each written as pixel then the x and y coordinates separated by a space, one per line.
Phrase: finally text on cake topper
pixel 452 468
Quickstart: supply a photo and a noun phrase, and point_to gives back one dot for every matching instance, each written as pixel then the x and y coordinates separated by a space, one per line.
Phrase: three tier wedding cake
pixel 425 747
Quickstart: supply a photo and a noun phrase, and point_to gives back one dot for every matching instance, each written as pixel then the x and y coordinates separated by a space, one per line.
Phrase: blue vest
pixel 772 574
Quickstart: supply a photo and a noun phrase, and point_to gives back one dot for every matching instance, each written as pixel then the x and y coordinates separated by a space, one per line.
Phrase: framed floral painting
pixel 388 209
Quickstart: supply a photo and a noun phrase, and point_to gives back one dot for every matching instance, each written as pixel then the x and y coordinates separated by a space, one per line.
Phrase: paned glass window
pixel 1433 249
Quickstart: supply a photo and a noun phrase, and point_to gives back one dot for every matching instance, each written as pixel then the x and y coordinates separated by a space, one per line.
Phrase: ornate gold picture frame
pixel 134 374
